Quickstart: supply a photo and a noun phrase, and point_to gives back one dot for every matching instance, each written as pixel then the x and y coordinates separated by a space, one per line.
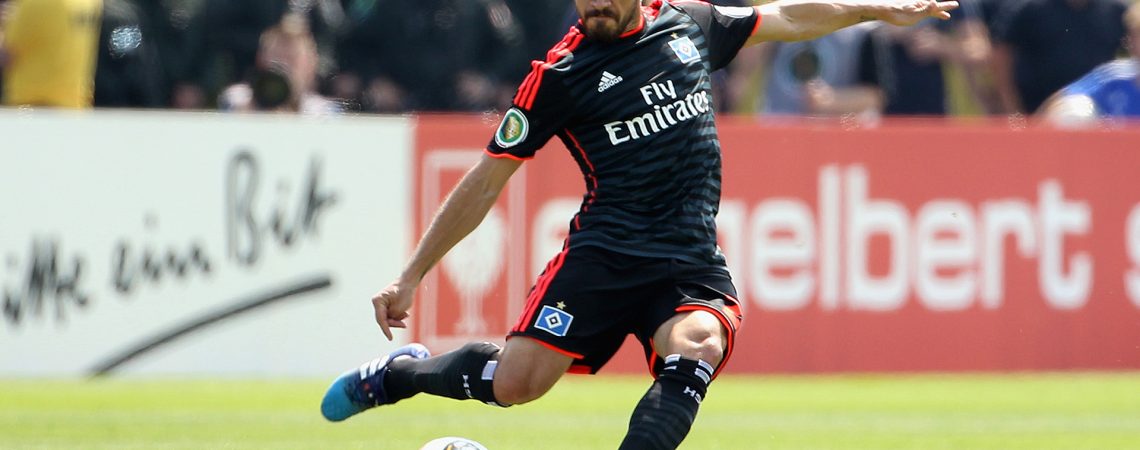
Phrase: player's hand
pixel 391 306
pixel 910 12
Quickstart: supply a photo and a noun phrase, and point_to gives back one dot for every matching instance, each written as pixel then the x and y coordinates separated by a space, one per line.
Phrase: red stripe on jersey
pixel 528 85
pixel 532 83
pixel 589 177
pixel 586 207
pixel 653 9
pixel 523 87
pixel 540 287
pixel 581 151
pixel 567 45
pixel 528 102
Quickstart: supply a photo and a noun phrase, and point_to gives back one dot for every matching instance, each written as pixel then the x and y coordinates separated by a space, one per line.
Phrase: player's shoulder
pixel 561 55
pixel 725 6
pixel 686 7
pixel 669 13
pixel 679 4
pixel 550 71
pixel 702 11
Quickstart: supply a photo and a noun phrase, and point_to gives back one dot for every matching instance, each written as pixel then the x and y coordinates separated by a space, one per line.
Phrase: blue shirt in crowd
pixel 1114 88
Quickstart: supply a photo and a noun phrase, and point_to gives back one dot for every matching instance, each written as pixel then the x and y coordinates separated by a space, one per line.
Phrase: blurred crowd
pixel 393 56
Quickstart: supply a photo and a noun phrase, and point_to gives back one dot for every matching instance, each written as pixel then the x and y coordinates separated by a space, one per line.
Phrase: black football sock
pixel 460 374
pixel 664 415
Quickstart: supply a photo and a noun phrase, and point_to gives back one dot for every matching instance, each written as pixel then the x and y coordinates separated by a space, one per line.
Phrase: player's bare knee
pixel 703 343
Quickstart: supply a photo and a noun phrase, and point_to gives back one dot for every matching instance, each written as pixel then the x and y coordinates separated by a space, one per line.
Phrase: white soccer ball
pixel 453 443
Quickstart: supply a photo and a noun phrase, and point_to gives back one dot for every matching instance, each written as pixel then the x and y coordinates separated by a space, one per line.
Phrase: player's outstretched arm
pixel 794 20
pixel 462 211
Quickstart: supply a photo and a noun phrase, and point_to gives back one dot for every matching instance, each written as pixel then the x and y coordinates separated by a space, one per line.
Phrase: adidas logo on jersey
pixel 608 80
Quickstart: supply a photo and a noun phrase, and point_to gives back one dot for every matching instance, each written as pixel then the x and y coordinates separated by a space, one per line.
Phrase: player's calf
pixel 516 390
pixel 665 414
pixel 461 374
pixel 527 370
pixel 696 343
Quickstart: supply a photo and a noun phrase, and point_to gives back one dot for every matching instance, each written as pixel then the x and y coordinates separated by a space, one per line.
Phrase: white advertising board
pixel 166 243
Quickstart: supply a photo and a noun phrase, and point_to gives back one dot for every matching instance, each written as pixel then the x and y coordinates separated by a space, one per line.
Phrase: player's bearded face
pixel 606 20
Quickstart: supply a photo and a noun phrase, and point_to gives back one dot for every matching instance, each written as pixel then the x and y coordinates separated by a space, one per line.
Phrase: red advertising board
pixel 907 247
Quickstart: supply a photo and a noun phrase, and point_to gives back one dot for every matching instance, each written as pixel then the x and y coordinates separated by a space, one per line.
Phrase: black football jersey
pixel 636 114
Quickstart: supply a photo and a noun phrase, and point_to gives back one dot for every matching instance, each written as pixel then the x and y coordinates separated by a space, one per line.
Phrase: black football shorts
pixel 588 299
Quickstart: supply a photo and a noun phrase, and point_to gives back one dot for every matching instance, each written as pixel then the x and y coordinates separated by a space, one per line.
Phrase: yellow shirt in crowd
pixel 51 47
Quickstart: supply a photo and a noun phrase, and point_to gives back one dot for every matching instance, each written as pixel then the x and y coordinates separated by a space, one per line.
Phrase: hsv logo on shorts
pixel 554 321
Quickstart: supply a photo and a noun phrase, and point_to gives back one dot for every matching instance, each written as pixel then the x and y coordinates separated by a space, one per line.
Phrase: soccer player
pixel 627 92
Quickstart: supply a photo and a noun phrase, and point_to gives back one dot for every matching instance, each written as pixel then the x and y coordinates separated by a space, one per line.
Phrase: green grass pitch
pixel 970 411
